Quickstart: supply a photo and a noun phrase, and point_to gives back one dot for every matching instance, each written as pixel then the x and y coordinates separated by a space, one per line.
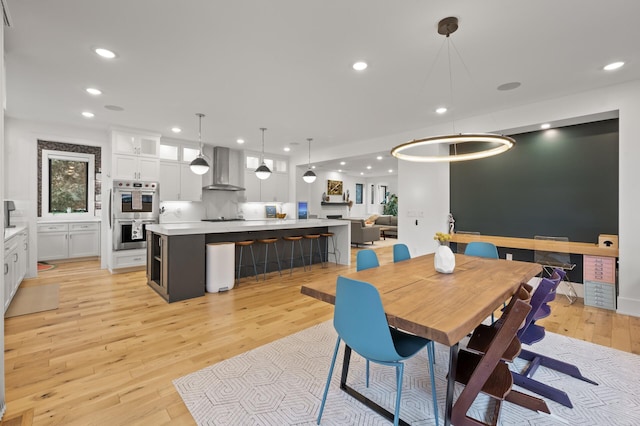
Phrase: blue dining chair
pixel 482 249
pixel 366 259
pixel 360 321
pixel 400 252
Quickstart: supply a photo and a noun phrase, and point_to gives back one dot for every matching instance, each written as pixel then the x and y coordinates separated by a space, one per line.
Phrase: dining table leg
pixel 451 383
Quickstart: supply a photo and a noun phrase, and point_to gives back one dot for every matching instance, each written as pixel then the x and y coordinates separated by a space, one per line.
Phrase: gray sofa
pixel 389 223
pixel 361 234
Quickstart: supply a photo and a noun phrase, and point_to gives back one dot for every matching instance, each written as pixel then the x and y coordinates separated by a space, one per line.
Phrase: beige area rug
pixel 29 300
pixel 281 383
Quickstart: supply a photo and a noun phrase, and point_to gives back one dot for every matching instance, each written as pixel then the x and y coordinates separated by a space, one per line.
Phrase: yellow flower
pixel 442 237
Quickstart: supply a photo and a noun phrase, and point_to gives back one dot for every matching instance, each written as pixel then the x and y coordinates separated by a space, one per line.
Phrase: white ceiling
pixel 286 64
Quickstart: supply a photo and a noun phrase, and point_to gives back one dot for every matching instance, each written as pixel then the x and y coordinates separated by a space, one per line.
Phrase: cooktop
pixel 222 219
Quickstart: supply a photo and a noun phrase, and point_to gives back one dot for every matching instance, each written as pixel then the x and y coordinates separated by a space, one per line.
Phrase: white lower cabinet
pixel 68 240
pixel 128 258
pixel 16 249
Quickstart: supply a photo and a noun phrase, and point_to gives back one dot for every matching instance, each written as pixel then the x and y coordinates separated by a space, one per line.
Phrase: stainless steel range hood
pixel 220 171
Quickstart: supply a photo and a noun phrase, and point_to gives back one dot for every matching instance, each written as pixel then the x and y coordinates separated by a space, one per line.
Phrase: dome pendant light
pixel 309 176
pixel 263 171
pixel 199 164
pixel 490 144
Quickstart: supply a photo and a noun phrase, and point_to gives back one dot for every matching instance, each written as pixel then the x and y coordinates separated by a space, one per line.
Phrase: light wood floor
pixel 109 354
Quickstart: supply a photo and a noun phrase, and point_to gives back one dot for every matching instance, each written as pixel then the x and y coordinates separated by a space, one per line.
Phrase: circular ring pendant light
pixel 490 143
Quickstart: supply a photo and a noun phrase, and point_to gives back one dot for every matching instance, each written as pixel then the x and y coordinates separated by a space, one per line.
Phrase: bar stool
pixel 326 236
pixel 243 244
pixel 311 238
pixel 293 240
pixel 266 242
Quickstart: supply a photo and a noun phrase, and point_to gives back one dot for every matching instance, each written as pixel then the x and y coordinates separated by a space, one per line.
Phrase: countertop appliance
pixel 9 206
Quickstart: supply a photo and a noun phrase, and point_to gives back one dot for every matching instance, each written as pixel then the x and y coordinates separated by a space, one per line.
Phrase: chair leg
pixel 431 353
pixel 367 373
pixel 239 264
pixel 326 388
pixel 399 374
pixel 253 259
pixel 304 267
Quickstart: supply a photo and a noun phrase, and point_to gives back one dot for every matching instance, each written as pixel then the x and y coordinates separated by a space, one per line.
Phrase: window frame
pixel 48 154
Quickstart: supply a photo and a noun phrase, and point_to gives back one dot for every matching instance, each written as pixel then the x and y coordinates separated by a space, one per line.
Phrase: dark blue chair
pixel 360 321
pixel 366 259
pixel 482 249
pixel 400 252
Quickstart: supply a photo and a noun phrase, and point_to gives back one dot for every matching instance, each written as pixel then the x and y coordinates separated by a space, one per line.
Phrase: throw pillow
pixel 372 218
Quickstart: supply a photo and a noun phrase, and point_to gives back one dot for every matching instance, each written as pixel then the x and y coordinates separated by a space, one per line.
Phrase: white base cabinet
pixel 16 249
pixel 68 240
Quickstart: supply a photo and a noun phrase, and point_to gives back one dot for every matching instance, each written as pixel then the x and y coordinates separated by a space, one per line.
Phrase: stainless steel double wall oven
pixel 134 205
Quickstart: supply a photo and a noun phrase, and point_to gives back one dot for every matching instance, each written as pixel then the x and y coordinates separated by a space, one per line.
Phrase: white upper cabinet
pixel 136 144
pixel 135 156
pixel 177 181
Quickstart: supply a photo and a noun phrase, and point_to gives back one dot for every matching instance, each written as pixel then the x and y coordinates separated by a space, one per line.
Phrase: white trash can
pixel 220 267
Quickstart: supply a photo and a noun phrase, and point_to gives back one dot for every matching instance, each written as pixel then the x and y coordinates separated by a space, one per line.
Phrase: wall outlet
pixel 509 256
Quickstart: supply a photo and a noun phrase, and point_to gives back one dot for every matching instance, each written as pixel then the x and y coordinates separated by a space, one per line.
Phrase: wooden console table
pixel 543 245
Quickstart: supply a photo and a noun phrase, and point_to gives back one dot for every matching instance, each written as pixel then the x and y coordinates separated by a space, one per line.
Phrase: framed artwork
pixel 302 210
pixel 271 211
pixel 359 188
pixel 334 187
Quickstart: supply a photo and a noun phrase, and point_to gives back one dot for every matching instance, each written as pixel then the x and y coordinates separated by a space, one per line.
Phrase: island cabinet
pixel 176 265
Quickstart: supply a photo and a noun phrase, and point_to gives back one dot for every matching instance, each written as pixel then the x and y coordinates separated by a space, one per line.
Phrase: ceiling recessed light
pixel 176 129
pixel 240 141
pixel 360 66
pixel 361 173
pixel 342 163
pixel 368 167
pixel 105 53
pixel 509 86
pixel 287 149
pixel 379 157
pixel 545 126
pixel 88 114
pixel 441 110
pixel 340 170
pixel 390 170
pixel 114 107
pixel 613 66
pixel 313 167
pixel 93 91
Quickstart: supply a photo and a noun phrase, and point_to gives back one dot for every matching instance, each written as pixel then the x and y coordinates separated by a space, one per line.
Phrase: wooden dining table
pixel 440 307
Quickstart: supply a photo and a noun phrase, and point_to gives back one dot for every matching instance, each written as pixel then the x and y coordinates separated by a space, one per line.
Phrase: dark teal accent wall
pixel 557 182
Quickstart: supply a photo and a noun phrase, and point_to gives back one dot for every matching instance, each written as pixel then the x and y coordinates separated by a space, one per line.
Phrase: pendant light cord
pixel 309 164
pixel 263 129
pixel 200 115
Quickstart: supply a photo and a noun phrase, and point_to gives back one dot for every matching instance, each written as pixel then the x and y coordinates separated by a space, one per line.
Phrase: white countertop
pixel 10 232
pixel 191 228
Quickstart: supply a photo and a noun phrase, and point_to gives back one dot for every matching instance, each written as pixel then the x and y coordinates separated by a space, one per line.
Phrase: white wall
pixel 21 171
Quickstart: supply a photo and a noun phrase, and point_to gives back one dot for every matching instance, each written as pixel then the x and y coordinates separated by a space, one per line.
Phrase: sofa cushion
pixel 372 218
pixel 394 221
pixel 383 220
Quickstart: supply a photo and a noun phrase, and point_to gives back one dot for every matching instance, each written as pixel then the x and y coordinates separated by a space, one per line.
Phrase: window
pixel 67 183
pixel 275 165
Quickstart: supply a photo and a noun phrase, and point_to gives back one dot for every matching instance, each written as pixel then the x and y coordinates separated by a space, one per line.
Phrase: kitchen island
pixel 176 251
